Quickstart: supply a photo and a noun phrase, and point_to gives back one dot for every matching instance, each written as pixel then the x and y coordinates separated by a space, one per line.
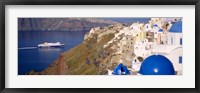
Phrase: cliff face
pixel 90 57
pixel 61 24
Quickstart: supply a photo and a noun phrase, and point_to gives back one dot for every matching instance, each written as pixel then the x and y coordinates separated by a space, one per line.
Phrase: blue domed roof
pixel 157 65
pixel 155 25
pixel 121 70
pixel 160 30
pixel 176 27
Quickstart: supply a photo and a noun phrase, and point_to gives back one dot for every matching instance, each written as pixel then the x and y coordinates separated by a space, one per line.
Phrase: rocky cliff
pixel 90 57
pixel 61 24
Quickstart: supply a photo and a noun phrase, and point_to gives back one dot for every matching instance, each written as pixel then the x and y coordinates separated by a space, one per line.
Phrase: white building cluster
pixel 160 36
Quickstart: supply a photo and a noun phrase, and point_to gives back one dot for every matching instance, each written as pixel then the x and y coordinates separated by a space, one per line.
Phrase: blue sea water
pixel 32 58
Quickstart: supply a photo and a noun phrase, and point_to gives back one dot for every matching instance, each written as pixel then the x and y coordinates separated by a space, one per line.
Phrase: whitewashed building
pixel 161 37
pixel 136 64
pixel 147 27
pixel 143 48
pixel 173 50
pixel 137 26
pixel 175 34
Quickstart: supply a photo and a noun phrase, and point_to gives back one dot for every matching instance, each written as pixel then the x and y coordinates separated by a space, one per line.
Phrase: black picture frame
pixel 3 3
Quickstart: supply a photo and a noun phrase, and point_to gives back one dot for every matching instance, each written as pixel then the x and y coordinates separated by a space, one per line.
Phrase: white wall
pixel 176 38
pixel 174 58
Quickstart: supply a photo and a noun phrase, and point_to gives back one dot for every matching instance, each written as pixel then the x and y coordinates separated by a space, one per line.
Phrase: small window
pixel 180 59
pixel 171 40
pixel 180 41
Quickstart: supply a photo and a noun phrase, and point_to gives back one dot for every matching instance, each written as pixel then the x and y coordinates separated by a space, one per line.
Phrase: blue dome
pixel 155 25
pixel 121 70
pixel 160 30
pixel 176 27
pixel 157 65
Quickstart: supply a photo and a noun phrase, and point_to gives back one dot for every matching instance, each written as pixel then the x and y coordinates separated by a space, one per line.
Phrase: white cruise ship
pixel 46 44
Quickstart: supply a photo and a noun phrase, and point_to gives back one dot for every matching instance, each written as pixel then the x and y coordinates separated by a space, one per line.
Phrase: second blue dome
pixel 157 65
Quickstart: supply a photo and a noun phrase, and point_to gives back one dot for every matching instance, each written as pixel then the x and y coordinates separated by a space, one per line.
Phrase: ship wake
pixel 27 48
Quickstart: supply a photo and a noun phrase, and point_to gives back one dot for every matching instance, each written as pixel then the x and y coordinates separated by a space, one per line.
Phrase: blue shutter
pixel 180 41
pixel 180 60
